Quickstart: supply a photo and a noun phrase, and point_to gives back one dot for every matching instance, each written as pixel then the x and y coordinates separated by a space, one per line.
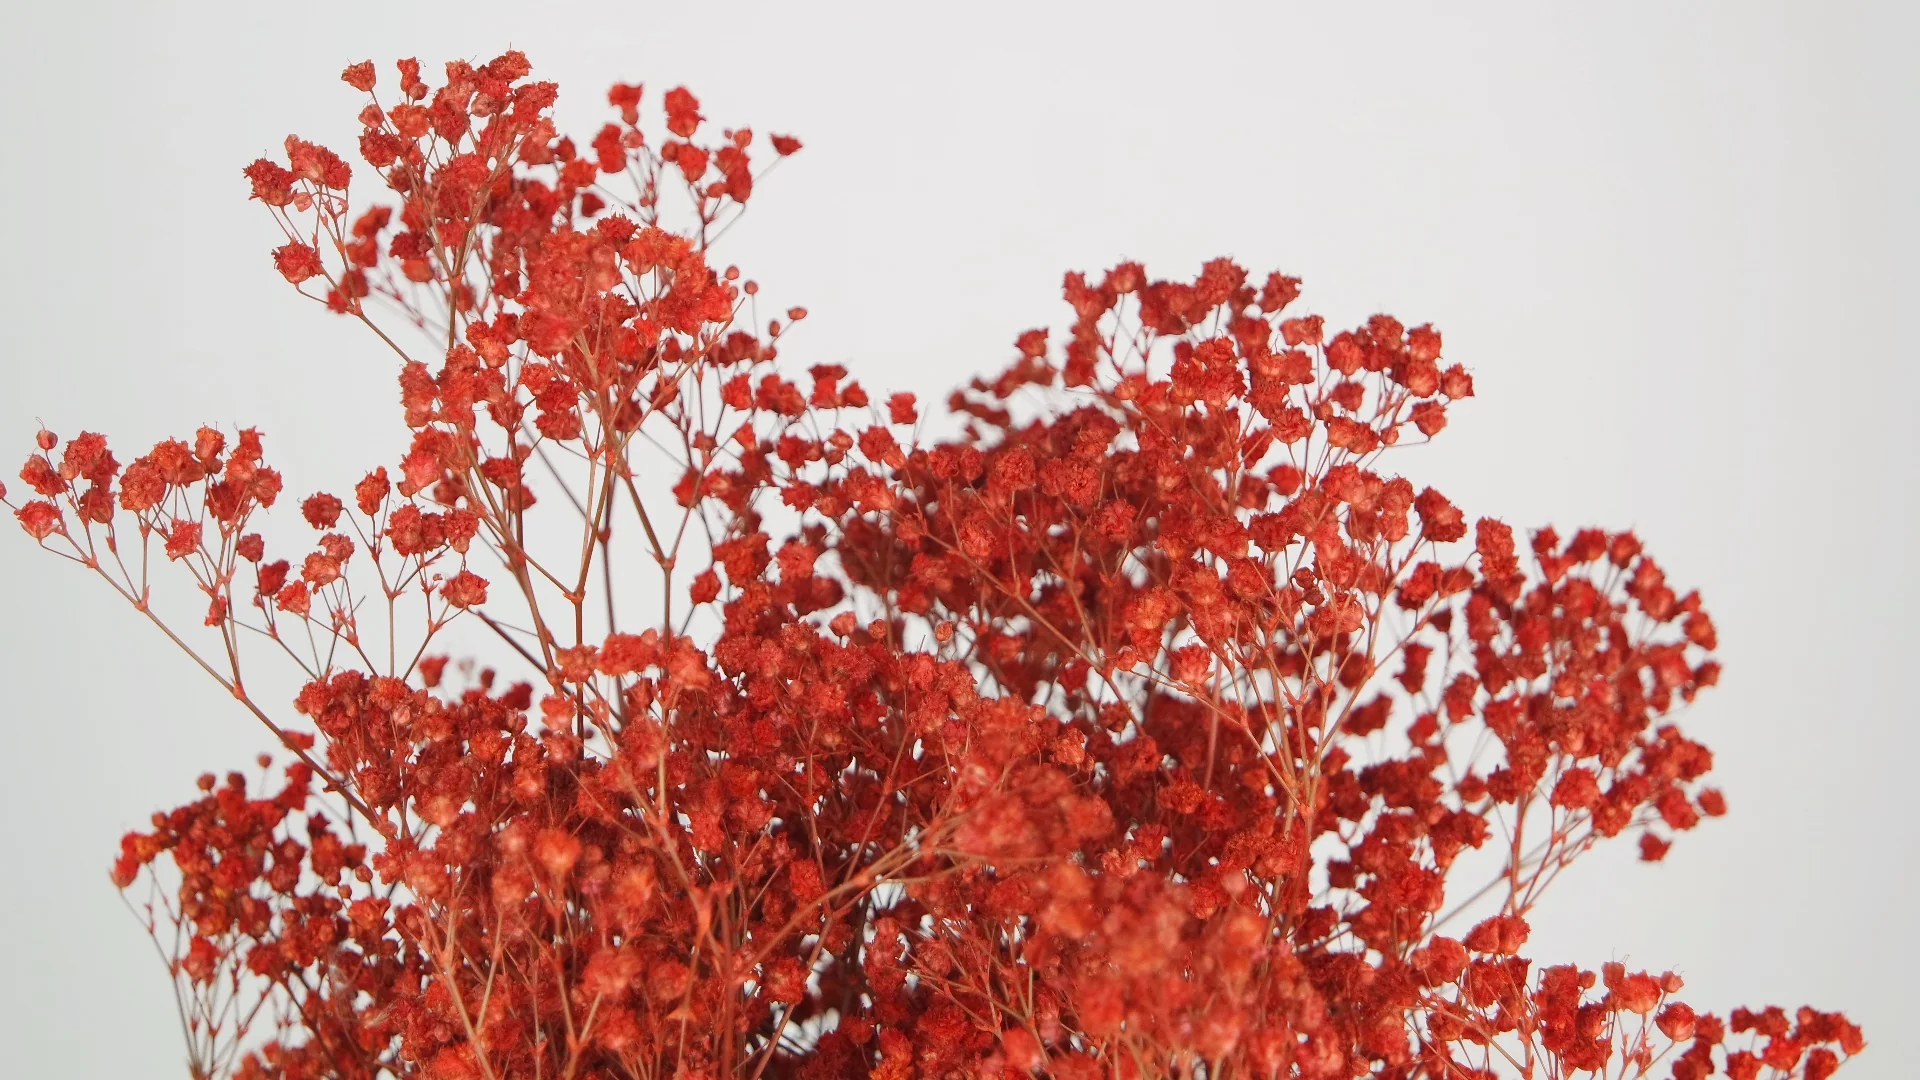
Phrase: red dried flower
pixel 683 112
pixel 465 590
pixel 297 262
pixel 360 76
pixel 41 519
pixel 321 510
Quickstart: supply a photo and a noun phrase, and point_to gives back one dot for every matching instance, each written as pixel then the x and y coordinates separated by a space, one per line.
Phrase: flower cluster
pixel 1144 725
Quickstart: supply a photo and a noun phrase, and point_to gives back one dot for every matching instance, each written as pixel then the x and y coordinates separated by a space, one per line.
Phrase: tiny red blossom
pixel 466 589
pixel 297 262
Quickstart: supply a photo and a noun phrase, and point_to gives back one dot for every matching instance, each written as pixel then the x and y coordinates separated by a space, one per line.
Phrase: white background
pixel 1674 243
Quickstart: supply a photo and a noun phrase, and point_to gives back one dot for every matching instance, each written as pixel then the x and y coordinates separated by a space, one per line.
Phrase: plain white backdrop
pixel 1674 243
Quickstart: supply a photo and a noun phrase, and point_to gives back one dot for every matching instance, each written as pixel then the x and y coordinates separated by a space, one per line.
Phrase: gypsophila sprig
pixel 1147 725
